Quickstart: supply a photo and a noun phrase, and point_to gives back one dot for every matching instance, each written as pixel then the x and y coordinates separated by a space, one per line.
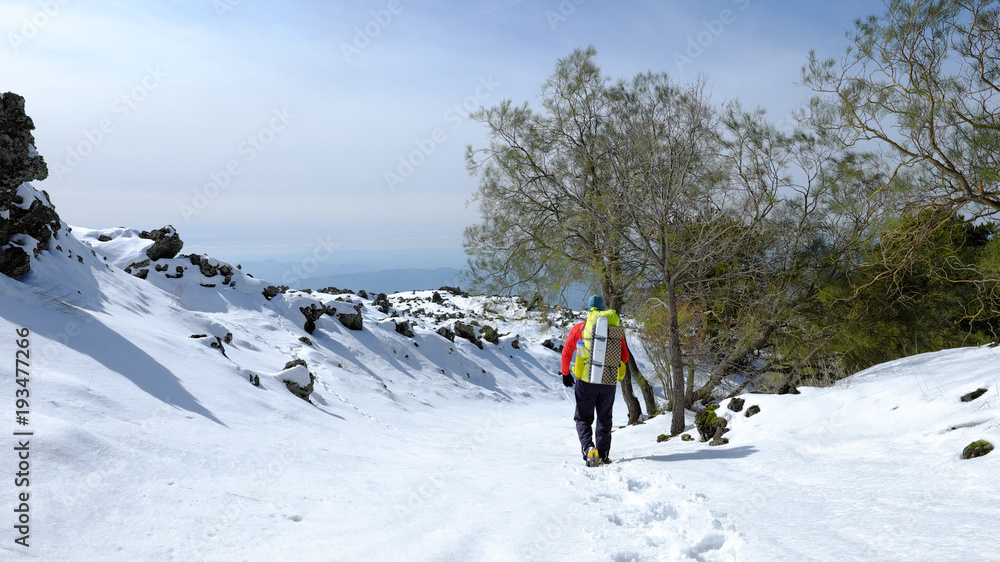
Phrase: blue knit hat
pixel 596 301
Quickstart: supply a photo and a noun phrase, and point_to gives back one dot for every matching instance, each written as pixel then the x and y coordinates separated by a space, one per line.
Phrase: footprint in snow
pixel 656 518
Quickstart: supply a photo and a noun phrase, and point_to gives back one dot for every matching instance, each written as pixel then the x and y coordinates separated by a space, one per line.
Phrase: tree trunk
pixel 630 400
pixel 722 368
pixel 677 423
pixel 689 391
pixel 647 389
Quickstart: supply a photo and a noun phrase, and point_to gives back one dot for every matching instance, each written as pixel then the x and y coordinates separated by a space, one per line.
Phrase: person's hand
pixel 568 380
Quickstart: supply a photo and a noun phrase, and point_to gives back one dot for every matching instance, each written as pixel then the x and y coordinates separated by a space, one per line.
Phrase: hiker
pixel 593 395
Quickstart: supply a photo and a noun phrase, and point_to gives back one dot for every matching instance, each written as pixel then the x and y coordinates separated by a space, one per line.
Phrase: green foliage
pixel 918 287
pixel 922 80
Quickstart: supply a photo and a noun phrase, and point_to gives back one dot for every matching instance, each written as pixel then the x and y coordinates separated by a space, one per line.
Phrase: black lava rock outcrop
pixel 404 328
pixel 973 395
pixel 550 344
pixel 271 291
pixel 19 163
pixel 166 243
pixel 381 302
pixel 457 291
pixel 467 332
pixel 312 314
pixel 302 392
pixel 446 333
pixel 351 321
pixel 490 334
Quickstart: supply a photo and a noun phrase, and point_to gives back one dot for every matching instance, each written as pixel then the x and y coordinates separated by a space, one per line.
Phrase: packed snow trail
pixel 473 482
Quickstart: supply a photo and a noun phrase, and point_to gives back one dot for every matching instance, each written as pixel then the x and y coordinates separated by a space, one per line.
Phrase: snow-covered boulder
pixel 297 378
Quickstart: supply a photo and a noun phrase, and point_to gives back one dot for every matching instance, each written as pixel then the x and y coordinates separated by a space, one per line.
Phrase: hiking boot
pixel 593 457
pixel 606 460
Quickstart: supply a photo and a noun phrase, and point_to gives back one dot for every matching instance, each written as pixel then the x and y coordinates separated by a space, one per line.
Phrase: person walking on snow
pixel 592 396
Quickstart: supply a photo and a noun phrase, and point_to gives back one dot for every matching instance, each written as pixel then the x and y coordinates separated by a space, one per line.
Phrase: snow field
pixel 151 445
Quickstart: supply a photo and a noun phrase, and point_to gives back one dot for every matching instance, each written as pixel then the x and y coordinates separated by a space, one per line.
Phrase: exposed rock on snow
pixel 18 161
pixel 381 302
pixel 709 424
pixel 977 449
pixel 137 265
pixel 166 243
pixel 351 321
pixel 490 334
pixel 297 378
pixel 217 344
pixel 25 214
pixel 457 291
pixel 973 395
pixel 736 405
pixel 271 291
pixel 312 314
pixel 753 411
pixel 404 328
pixel 465 331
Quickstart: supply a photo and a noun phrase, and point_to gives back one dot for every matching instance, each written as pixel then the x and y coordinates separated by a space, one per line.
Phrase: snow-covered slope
pixel 148 443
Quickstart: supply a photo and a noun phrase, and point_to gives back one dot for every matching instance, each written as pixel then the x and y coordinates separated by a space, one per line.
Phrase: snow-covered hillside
pixel 163 429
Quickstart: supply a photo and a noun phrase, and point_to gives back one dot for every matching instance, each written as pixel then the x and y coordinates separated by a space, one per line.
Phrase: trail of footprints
pixel 650 517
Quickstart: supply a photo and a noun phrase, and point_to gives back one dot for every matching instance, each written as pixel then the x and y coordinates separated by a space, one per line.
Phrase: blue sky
pixel 267 130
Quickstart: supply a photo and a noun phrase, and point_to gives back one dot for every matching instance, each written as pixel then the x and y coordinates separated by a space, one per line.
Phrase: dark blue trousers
pixel 590 398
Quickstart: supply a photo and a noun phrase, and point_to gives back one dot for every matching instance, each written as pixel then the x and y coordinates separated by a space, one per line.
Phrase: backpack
pixel 598 359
